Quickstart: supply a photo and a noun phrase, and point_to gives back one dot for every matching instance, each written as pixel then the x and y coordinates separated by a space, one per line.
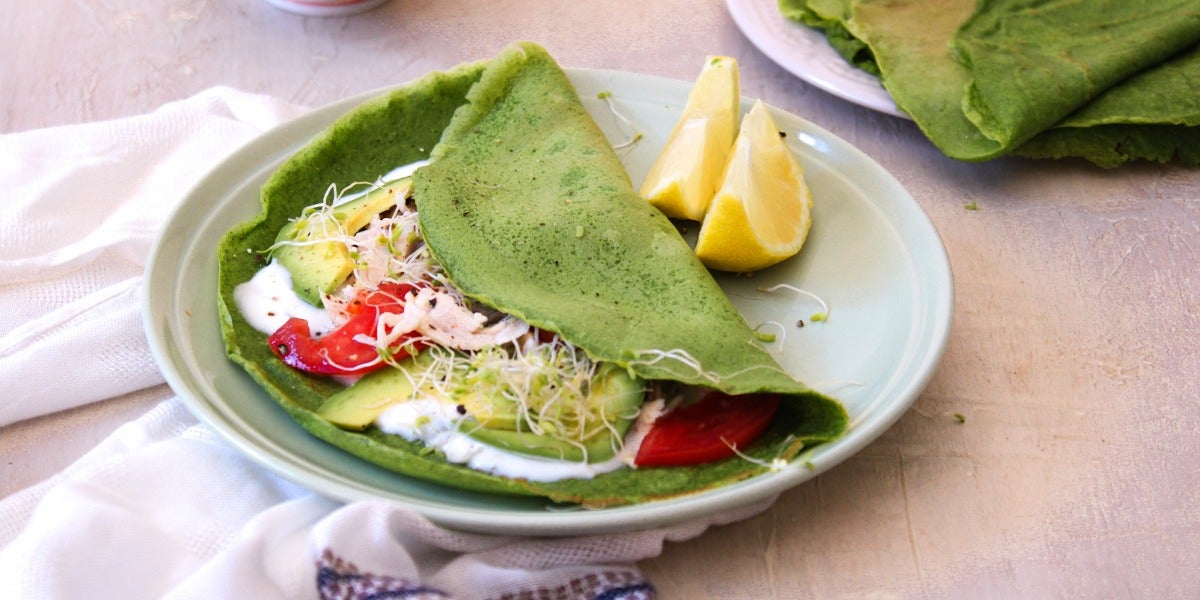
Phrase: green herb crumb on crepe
pixel 1108 80
pixel 527 208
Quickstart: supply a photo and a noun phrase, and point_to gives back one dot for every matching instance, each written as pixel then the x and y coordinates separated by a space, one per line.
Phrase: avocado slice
pixel 615 395
pixel 319 264
pixel 491 411
pixel 358 406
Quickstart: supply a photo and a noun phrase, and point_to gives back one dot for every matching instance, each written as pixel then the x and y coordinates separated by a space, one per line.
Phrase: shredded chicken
pixel 453 325
pixel 441 318
pixel 391 248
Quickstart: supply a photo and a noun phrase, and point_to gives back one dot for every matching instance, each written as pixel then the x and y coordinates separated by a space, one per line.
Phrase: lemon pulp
pixel 761 212
pixel 684 177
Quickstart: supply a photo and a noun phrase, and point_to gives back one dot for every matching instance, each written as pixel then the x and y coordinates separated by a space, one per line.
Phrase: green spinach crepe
pixel 1109 81
pixel 528 210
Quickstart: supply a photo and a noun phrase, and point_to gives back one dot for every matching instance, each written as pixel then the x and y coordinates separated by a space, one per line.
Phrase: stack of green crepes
pixel 1110 81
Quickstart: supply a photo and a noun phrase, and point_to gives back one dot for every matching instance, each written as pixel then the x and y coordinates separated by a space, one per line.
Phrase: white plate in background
pixel 805 53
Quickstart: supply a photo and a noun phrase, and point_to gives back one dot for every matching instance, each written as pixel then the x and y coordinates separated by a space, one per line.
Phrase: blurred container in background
pixel 325 8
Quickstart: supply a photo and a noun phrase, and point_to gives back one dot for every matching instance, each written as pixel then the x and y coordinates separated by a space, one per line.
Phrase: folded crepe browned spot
pixel 909 41
pixel 529 211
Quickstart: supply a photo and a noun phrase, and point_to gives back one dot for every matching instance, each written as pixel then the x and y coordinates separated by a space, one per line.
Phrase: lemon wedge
pixel 682 181
pixel 761 212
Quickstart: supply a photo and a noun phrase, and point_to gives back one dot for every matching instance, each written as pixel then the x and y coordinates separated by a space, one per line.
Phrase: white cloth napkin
pixel 164 508
pixel 82 205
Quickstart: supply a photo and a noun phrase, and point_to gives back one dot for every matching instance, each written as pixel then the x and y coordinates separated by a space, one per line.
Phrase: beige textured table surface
pixel 1075 353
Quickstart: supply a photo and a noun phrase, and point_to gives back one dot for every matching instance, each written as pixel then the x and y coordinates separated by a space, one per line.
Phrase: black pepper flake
pixel 800 323
pixel 461 408
pixel 782 134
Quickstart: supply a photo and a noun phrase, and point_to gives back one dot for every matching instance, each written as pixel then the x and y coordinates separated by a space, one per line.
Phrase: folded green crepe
pixel 528 210
pixel 1109 80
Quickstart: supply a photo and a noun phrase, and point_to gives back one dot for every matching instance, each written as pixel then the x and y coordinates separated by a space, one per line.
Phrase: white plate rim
pixel 805 53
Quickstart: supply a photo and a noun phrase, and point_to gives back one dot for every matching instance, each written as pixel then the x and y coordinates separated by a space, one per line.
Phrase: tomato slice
pixel 338 353
pixel 707 430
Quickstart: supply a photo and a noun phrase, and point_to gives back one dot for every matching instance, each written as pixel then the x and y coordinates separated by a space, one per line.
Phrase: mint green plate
pixel 872 255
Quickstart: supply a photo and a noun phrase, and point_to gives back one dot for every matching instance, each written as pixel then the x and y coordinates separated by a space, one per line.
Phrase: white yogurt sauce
pixel 432 422
pixel 267 301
